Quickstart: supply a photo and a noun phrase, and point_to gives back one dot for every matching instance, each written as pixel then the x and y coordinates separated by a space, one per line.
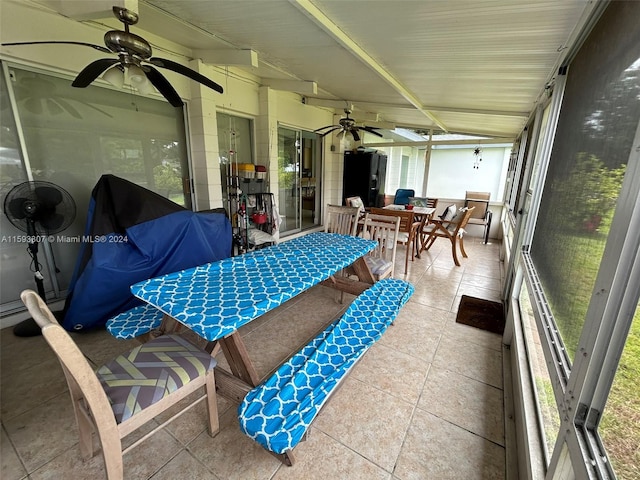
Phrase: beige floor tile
pixel 436 275
pixel 367 420
pixel 10 466
pixel 266 351
pixel 321 457
pixel 470 334
pixel 482 281
pixel 414 332
pixel 231 455
pixel 438 298
pixel 393 372
pixel 479 292
pixel 466 358
pixel 192 423
pixel 22 353
pixel 184 465
pixel 43 433
pixel 472 405
pixel 24 390
pixel 371 428
pixel 437 449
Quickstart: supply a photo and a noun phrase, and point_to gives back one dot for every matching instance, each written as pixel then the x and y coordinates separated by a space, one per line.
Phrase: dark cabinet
pixel 364 176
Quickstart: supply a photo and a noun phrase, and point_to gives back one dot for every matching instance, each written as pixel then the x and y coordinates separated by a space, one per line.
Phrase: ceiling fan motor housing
pixel 126 42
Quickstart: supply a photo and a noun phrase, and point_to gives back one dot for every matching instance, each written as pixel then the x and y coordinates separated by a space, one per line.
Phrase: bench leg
pixel 287 457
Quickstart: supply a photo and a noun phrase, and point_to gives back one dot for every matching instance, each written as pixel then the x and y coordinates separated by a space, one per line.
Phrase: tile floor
pixel 426 402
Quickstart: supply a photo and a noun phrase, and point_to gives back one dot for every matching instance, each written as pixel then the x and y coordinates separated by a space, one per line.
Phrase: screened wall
pixel 578 308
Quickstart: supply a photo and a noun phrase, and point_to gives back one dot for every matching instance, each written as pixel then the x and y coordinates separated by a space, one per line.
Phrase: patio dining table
pixel 422 215
pixel 216 299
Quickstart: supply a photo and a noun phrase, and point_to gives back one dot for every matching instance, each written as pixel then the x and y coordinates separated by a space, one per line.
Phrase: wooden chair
pixel 423 202
pixel 384 229
pixel 128 392
pixel 356 202
pixel 482 215
pixel 339 219
pixel 408 234
pixel 452 229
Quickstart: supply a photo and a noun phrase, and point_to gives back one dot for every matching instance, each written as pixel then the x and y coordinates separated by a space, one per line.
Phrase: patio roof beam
pixel 334 31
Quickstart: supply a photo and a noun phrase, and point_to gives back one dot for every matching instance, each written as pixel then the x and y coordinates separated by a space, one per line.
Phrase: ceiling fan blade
pixel 93 71
pixel 97 47
pixel 329 131
pixel 354 132
pixel 317 130
pixel 163 86
pixel 187 72
pixel 372 130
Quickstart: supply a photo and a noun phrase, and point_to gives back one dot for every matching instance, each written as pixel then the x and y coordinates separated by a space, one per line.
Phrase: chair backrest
pixel 81 379
pixel 384 229
pixel 423 202
pixel 355 202
pixel 340 219
pixel 460 220
pixel 479 200
pixel 402 196
pixel 406 217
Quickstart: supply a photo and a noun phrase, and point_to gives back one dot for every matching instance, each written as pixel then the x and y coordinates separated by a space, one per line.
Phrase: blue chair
pixel 402 196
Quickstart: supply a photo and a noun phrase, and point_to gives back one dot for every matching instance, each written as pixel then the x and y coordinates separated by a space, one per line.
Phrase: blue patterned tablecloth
pixel 216 299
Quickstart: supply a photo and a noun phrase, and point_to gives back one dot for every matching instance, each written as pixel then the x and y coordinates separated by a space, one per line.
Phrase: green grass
pixel 574 261
pixel 620 426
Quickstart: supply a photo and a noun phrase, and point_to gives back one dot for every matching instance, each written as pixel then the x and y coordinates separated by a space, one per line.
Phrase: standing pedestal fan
pixel 39 209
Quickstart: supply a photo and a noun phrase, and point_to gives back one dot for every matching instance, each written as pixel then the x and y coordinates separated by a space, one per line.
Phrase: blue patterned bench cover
pixel 277 413
pixel 137 321
pixel 216 299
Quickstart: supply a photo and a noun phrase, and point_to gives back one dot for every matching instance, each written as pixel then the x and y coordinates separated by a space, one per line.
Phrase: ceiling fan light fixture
pixel 115 76
pixel 139 80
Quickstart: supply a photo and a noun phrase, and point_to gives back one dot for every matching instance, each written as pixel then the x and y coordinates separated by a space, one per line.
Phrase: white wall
pixel 451 172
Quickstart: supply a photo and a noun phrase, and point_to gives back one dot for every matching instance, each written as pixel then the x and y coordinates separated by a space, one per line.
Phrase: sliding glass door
pixel 71 137
pixel 299 173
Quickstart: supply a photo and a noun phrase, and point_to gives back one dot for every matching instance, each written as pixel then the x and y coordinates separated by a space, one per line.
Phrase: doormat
pixel 483 314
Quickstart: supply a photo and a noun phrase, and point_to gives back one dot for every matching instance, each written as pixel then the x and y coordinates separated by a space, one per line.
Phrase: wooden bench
pixel 277 414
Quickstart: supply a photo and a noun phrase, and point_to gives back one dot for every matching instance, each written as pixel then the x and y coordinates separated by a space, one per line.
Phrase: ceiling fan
pixel 347 125
pixel 134 58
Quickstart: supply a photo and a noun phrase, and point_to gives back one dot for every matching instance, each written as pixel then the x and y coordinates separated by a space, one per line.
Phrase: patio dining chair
pixel 423 202
pixel 341 219
pixel 408 233
pixel 384 229
pixel 128 392
pixel 452 229
pixel 482 215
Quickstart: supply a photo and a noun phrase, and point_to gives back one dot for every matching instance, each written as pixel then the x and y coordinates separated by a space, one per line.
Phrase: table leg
pixel 236 354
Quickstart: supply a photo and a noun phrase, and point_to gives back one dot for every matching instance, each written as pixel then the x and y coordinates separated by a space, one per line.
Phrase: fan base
pixel 29 327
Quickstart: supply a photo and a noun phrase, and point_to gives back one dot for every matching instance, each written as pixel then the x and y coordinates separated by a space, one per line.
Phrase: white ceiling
pixel 472 66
